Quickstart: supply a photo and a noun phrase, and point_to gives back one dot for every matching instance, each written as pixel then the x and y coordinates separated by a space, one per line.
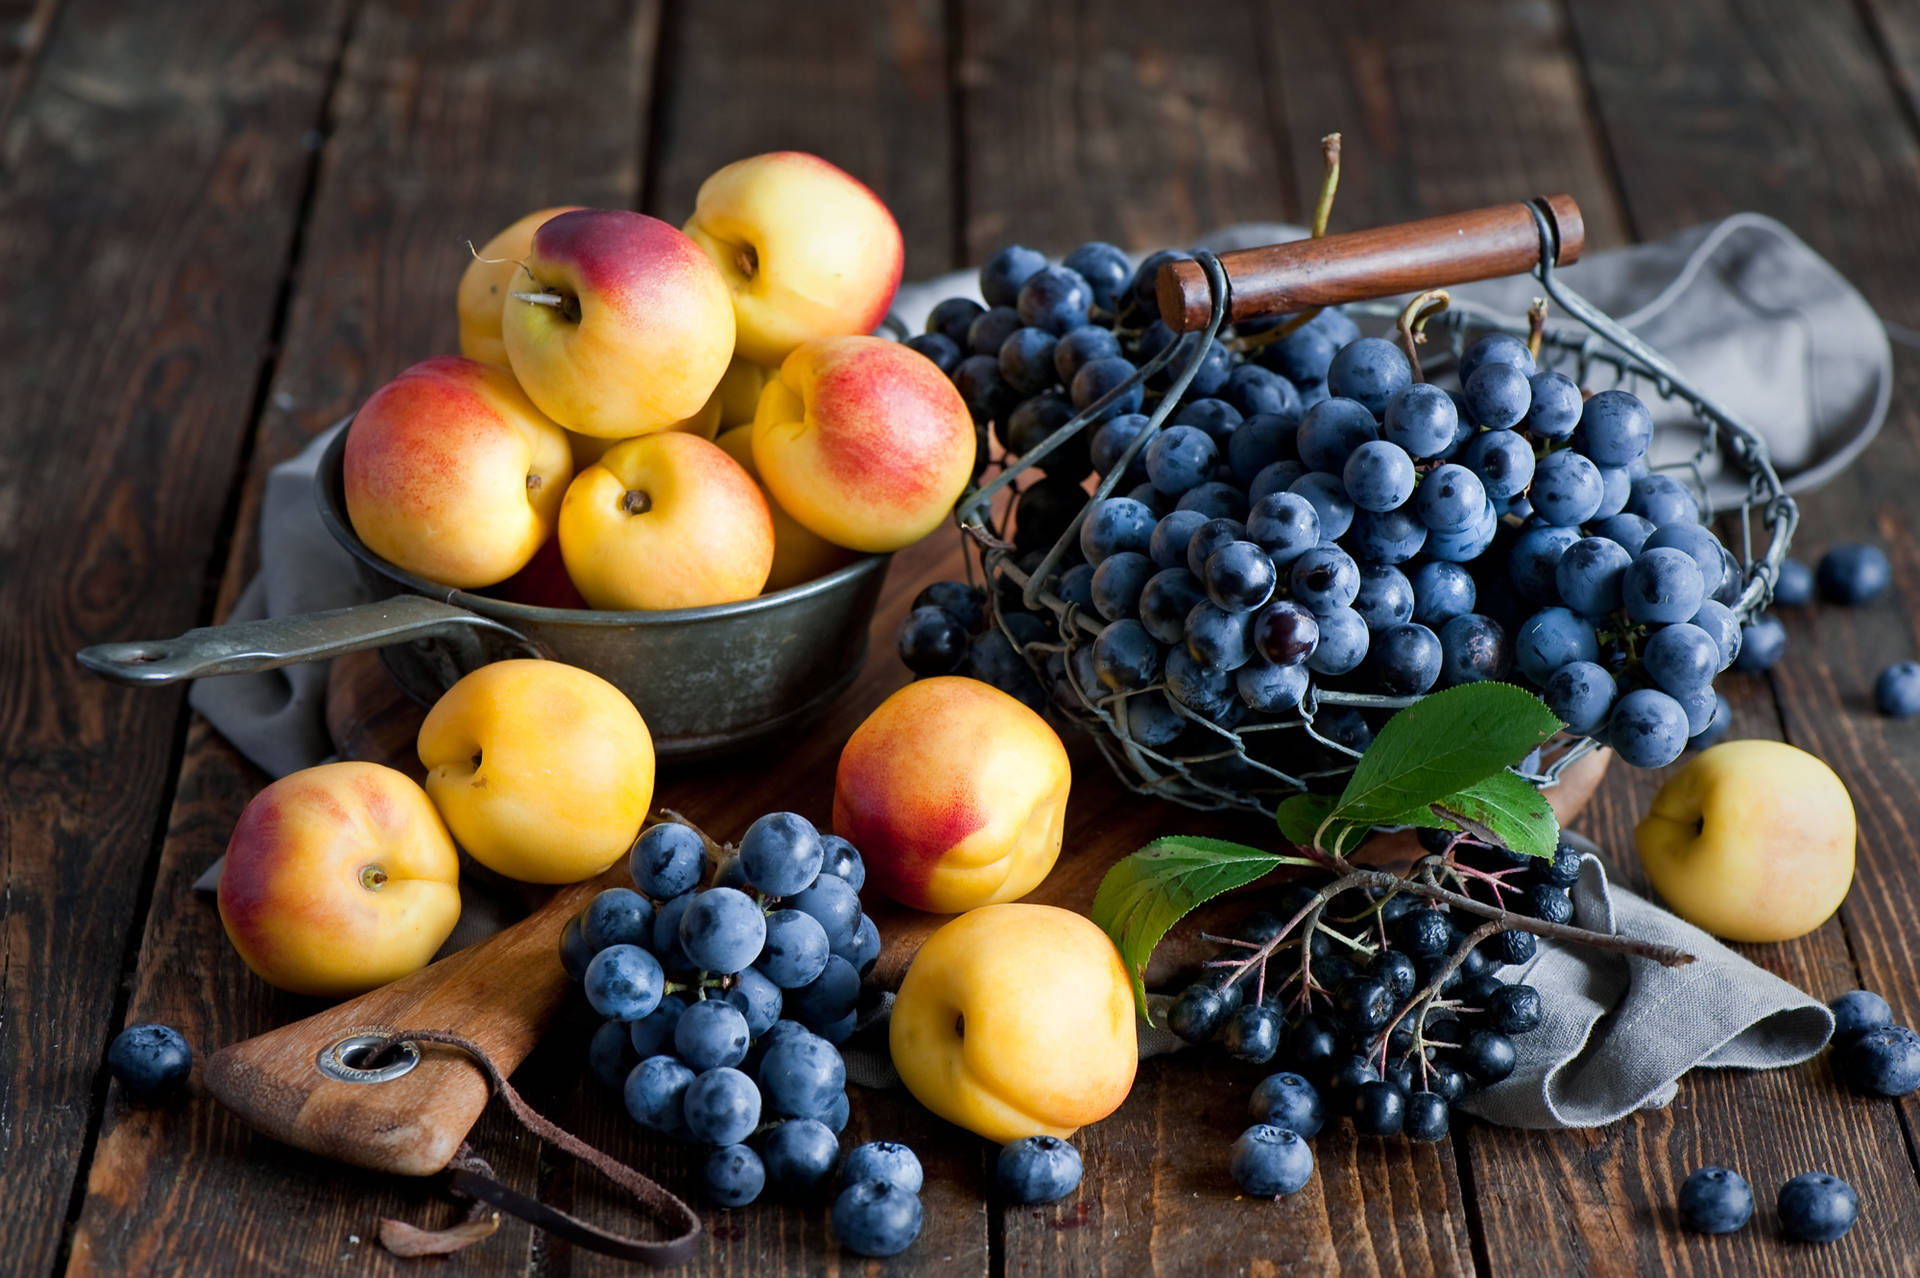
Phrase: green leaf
pixel 1304 818
pixel 1506 810
pixel 1147 892
pixel 1443 743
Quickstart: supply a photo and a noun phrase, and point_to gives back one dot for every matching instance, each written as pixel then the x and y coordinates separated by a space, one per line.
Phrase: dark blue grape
pixel 617 916
pixel 1217 638
pixel 1285 525
pixel 624 982
pixel 990 331
pixel 1112 439
pixel 667 860
pixel 1076 583
pixel 1468 544
pixel 722 1106
pixel 1450 498
pixel 1239 576
pixel 1701 546
pixel 1648 728
pixel 710 1034
pixel 1168 546
pixel 1209 537
pixel 1114 525
pixel 1026 360
pixel 1258 391
pixel 1681 658
pixel 1793 588
pixel 1268 688
pixel 1305 355
pixel 781 853
pixel 942 350
pixel 1615 429
pixel 799 1155
pixel 931 642
pixel 801 1075
pixel 1495 348
pixel 1285 633
pixel 1281 476
pixel 1662 585
pixel 1370 370
pixel 1030 425
pixel 1146 279
pixel 1117 583
pixel 1550 639
pixel 1331 430
pixel 1219 419
pixel 1328 496
pixel 1106 270
pixel 1260 441
pixel 723 930
pixel 1763 641
pixel 1422 419
pixel 1566 488
pixel 1054 298
pixel 1215 499
pixel 1125 657
pixel 1441 591
pixel 834 905
pixel 1325 578
pixel 1152 721
pixel 1662 500
pixel 1554 405
pixel 1180 458
pixel 1379 476
pixel 1503 460
pixel 1385 598
pixel 1081 346
pixel 1344 640
pixel 1100 378
pixel 986 393
pixel 1896 690
pixel 1498 396
pixel 1589 573
pixel 1002 274
pixel 1473 648
pixel 1581 695
pixel 953 317
pixel 1165 601
pixel 1629 531
pixel 1206 691
pixel 655 1093
pixel 1404 659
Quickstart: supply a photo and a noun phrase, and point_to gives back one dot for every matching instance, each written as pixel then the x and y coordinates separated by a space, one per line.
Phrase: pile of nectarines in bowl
pixel 657 442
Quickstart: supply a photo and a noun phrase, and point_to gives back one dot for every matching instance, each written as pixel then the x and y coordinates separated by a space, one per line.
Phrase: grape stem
pixel 1329 183
pixel 1412 325
pixel 1536 326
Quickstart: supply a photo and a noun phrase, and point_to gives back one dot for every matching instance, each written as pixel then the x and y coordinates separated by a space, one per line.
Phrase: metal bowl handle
pixel 245 647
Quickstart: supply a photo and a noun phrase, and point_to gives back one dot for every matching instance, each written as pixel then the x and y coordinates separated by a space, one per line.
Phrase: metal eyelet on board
pixel 337 1059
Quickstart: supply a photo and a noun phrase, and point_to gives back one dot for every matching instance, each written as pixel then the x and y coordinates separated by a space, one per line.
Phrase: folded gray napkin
pixel 1745 308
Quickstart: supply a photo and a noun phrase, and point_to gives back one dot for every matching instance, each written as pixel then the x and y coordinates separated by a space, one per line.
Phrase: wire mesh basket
pixel 1267 758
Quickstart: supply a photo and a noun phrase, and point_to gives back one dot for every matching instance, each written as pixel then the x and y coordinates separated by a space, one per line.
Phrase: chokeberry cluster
pixel 728 977
pixel 1384 1008
pixel 1310 518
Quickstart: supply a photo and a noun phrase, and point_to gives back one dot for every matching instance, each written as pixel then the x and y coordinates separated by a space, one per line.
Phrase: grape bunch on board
pixel 729 978
pixel 1312 517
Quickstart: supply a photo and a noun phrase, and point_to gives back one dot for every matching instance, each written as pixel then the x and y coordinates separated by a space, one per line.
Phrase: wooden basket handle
pixel 1355 266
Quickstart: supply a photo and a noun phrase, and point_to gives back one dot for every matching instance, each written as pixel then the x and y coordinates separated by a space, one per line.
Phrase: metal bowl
pixel 708 681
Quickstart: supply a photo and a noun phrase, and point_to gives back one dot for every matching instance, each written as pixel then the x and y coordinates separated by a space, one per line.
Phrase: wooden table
pixel 223 225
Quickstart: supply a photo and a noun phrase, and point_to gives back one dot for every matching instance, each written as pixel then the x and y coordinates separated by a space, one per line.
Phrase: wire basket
pixel 1260 762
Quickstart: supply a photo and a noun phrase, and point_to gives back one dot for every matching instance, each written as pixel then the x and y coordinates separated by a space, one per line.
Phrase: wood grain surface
pixel 226 225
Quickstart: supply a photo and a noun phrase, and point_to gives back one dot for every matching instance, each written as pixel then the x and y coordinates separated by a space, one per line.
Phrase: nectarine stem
pixel 635 502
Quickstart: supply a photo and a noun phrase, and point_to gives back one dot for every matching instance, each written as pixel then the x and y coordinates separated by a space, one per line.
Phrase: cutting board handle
pixel 499 994
pixel 1356 266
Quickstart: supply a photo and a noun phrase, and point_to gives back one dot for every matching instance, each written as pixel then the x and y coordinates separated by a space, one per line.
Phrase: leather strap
pixel 470 1176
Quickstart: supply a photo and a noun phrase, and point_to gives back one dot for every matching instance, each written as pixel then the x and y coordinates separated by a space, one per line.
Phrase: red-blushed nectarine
pixel 799 554
pixel 864 441
pixel 1016 1020
pixel 339 878
pixel 666 521
pixel 483 286
pixel 543 771
pixel 955 793
pixel 805 248
pixel 451 472
pixel 616 324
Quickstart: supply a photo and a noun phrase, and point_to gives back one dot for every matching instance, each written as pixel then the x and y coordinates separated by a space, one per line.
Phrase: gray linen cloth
pixel 1742 306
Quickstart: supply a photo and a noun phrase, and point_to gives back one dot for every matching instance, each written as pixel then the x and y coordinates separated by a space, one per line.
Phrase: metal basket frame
pixel 1256 785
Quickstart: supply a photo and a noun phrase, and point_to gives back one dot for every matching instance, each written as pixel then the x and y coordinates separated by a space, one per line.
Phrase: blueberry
pixel 1379 1109
pixel 1896 693
pixel 1289 1102
pixel 151 1062
pixel 668 860
pixel 829 996
pixel 884 1160
pixel 1037 1169
pixel 575 953
pixel 655 1093
pixel 1270 1161
pixel 1715 1200
pixel 874 1218
pixel 1856 1012
pixel 1794 586
pixel 624 982
pixel 1252 1034
pixel 653 1033
pixel 722 1106
pixel 1883 1062
pixel 1817 1207
pixel 799 1155
pixel 1763 641
pixel 1854 573
pixel 734 1176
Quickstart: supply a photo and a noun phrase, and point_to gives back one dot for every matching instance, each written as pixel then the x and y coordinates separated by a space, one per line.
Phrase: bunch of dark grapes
pixel 1381 1008
pixel 728 978
pixel 1311 517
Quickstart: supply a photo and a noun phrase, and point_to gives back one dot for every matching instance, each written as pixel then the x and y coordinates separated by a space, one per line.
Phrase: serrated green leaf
pixel 1506 810
pixel 1305 818
pixel 1147 892
pixel 1443 743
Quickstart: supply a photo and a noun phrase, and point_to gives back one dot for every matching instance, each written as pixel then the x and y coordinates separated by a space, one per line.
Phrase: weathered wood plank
pixel 1780 82
pixel 447 124
pixel 1144 124
pixel 864 85
pixel 156 155
pixel 24 25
